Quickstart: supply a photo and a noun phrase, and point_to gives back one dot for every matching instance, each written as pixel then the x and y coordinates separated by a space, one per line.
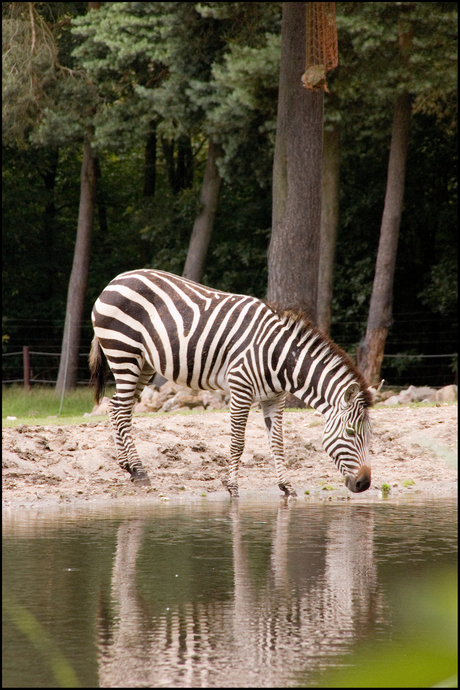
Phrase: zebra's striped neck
pixel 319 371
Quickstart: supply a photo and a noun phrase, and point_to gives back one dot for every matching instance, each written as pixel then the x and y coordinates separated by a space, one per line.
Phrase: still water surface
pixel 211 594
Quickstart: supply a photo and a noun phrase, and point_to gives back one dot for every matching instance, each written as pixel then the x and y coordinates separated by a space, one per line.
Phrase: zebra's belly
pixel 193 381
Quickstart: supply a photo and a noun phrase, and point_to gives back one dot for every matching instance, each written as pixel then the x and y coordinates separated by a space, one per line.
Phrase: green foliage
pixel 388 47
pixel 441 293
pixel 421 653
pixel 241 103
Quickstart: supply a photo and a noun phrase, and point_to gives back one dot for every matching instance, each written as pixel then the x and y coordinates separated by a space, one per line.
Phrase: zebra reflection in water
pixel 305 609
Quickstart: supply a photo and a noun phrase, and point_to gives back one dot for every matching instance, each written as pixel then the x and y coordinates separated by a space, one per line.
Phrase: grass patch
pixel 41 405
pixel 408 482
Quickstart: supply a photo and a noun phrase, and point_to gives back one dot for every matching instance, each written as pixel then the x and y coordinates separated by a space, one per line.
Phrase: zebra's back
pixel 187 332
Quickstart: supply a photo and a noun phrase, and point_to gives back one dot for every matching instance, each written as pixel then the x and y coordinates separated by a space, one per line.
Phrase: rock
pixel 393 400
pixel 141 407
pixel 156 401
pixel 447 394
pixel 170 388
pixel 407 395
pixel 425 394
pixel 384 395
pixel 182 399
pixel 103 406
pixel 412 394
pixel 215 404
pixel 148 393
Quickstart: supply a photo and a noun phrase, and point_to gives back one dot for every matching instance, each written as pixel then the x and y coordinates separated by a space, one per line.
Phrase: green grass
pixel 41 405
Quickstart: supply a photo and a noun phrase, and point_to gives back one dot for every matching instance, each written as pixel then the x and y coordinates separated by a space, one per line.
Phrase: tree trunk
pixel 329 224
pixel 293 257
pixel 370 352
pixel 202 228
pixel 67 376
pixel 184 169
pixel 180 167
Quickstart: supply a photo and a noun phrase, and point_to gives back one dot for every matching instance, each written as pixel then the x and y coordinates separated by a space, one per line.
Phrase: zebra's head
pixel 346 438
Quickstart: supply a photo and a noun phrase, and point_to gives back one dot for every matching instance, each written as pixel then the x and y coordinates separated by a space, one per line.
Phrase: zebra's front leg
pixel 120 415
pixel 273 416
pixel 239 410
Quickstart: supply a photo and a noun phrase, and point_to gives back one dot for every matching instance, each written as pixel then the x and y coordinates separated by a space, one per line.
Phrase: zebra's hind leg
pixel 120 414
pixel 273 416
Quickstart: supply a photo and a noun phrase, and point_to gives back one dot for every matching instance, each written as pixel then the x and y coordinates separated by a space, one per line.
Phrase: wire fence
pixel 421 349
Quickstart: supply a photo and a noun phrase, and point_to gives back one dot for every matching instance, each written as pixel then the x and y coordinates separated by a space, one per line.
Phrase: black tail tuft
pixel 96 367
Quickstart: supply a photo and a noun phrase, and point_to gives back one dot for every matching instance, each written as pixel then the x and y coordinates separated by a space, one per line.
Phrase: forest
pixel 149 91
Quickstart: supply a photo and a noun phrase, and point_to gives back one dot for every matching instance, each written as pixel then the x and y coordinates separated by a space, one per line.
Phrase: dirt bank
pixel 413 450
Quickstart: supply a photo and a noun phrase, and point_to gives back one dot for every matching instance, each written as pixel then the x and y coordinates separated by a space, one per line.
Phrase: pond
pixel 215 593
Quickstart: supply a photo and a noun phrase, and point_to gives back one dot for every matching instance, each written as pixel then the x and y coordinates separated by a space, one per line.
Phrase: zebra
pixel 148 321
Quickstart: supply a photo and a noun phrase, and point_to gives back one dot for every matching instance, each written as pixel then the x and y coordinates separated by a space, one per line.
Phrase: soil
pixel 414 450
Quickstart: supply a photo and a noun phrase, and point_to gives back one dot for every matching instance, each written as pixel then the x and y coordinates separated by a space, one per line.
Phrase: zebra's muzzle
pixel 361 482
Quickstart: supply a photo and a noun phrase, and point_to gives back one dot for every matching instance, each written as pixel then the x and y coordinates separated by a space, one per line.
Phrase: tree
pixel 164 62
pixel 406 48
pixel 68 364
pixel 293 259
pixel 31 60
pixel 329 224
pixel 203 226
pixel 370 352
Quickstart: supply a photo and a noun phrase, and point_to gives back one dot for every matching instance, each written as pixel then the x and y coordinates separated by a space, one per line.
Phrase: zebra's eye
pixel 350 431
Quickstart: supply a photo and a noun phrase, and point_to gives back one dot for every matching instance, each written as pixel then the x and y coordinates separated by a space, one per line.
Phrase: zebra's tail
pixel 96 367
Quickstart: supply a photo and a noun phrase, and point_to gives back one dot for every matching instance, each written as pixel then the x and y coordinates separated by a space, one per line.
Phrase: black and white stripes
pixel 150 321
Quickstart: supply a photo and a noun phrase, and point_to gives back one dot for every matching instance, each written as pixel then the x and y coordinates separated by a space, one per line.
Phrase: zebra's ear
pixel 351 393
pixel 374 390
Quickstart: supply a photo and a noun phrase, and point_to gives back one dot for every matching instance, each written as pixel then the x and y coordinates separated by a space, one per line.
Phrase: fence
pixel 399 368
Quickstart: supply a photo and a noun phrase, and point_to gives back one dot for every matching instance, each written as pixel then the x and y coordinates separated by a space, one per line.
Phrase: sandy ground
pixel 413 450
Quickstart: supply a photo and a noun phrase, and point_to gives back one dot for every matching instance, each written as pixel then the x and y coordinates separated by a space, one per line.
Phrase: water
pixel 210 594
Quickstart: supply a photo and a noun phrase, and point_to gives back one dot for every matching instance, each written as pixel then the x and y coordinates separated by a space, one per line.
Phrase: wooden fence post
pixel 26 360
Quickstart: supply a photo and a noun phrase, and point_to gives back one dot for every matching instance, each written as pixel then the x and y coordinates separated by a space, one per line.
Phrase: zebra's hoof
pixel 140 478
pixel 231 488
pixel 288 491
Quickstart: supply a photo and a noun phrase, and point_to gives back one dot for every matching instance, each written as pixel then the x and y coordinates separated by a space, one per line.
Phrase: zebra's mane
pixel 300 320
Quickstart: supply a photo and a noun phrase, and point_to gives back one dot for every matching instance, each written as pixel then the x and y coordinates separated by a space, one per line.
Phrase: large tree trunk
pixel 67 376
pixel 202 228
pixel 370 352
pixel 293 257
pixel 329 224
